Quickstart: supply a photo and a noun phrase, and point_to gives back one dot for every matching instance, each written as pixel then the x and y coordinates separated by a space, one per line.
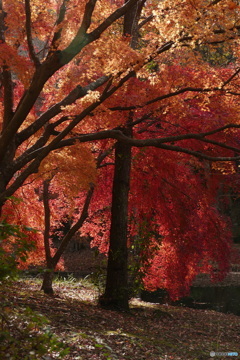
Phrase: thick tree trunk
pixel 116 291
pixel 47 282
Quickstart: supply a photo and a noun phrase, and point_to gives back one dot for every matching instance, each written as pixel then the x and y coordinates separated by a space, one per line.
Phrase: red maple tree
pixel 71 73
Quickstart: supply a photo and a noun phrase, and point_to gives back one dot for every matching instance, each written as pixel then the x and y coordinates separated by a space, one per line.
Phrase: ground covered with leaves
pixel 149 331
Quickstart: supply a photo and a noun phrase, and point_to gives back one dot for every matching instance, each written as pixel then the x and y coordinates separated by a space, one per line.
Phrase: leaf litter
pixel 149 331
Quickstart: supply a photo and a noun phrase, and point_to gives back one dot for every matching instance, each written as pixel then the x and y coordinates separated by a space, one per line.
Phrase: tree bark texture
pixel 116 291
pixel 47 282
pixel 48 275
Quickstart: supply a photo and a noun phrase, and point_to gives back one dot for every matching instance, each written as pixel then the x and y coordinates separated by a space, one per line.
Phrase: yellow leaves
pixel 80 104
pixel 43 17
pixel 177 19
pixel 225 168
pixel 90 98
pixel 113 53
pixel 71 169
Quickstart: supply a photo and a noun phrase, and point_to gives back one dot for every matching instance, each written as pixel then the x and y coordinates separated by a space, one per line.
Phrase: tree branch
pixel 145 21
pixel 84 214
pixel 57 34
pixel 75 94
pixel 82 39
pixel 231 78
pixel 95 34
pixel 163 97
pixel 87 17
pixel 31 50
pixel 58 142
pixel 156 142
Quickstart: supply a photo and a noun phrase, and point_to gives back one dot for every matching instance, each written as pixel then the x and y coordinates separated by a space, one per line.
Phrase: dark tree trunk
pixel 48 275
pixel 116 292
pixel 47 282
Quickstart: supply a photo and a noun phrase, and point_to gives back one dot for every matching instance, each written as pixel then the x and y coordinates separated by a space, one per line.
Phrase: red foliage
pixel 173 198
pixel 174 222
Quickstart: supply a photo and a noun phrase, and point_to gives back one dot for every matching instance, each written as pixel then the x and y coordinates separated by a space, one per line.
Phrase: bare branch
pixel 84 214
pixel 145 21
pixel 199 136
pixel 222 145
pixel 58 142
pixel 231 77
pixel 198 154
pixel 163 97
pixel 157 142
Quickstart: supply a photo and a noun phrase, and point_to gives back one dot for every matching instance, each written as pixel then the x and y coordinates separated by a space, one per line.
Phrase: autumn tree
pixel 116 292
pixel 39 53
pixel 73 202
pixel 116 289
pixel 55 193
pixel 172 197
pixel 67 68
pixel 65 203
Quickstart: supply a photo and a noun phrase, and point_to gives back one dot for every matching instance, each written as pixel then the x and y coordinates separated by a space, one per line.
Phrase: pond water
pixel 220 298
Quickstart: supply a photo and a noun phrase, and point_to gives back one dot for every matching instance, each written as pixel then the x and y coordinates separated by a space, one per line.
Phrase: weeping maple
pixel 69 74
pixel 175 228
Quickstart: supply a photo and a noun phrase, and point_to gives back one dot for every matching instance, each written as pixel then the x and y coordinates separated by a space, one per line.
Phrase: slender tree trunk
pixel 52 261
pixel 48 275
pixel 116 291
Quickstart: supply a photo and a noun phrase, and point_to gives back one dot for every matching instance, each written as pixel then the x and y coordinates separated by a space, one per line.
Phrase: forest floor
pixel 149 331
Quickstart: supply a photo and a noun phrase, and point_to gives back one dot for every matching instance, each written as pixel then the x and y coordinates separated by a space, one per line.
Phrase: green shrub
pixel 14 247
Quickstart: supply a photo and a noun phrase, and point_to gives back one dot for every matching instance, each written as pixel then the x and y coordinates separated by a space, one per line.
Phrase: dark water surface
pixel 224 299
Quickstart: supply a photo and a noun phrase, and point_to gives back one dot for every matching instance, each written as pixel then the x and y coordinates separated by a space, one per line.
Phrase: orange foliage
pixel 54 57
